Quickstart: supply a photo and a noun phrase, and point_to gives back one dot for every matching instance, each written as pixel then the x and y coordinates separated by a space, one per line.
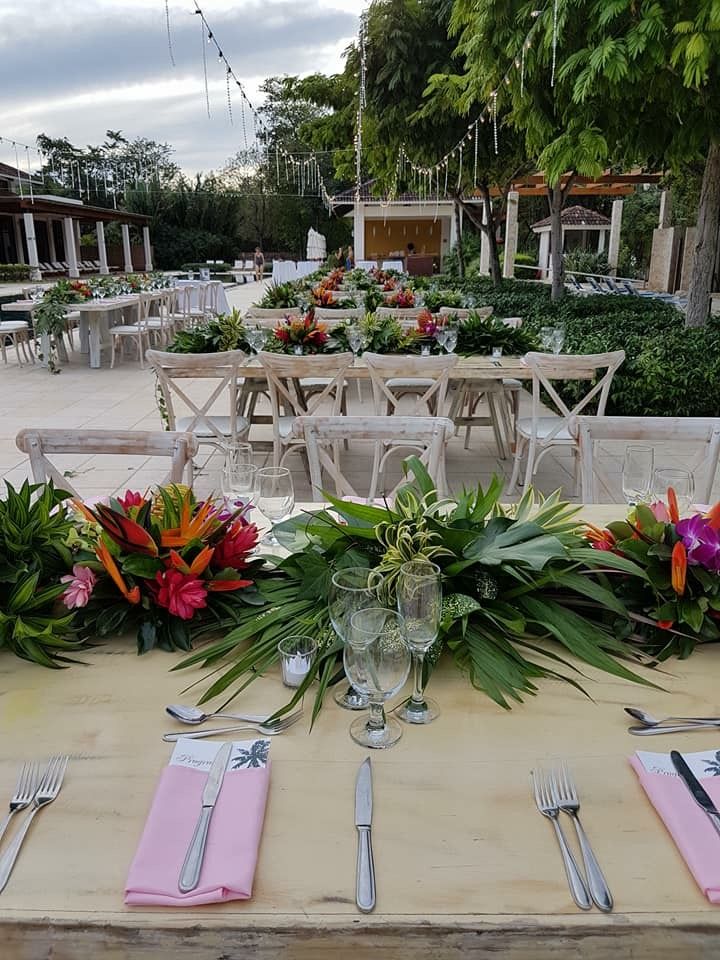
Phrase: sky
pixel 76 68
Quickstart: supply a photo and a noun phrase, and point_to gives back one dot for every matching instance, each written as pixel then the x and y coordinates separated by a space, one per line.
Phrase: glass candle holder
pixel 496 353
pixel 296 658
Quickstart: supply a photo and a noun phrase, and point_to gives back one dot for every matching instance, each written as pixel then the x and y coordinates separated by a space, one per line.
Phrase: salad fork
pixel 542 788
pixel 46 792
pixel 565 795
pixel 27 784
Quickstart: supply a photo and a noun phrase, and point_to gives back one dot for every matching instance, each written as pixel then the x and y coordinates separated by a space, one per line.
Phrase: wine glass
pixel 441 335
pixel 637 474
pixel 355 339
pixel 351 589
pixel 377 663
pixel 238 484
pixel 419 602
pixel 451 339
pixel 236 453
pixel 274 497
pixel 681 481
pixel 546 338
pixel 557 340
pixel 256 338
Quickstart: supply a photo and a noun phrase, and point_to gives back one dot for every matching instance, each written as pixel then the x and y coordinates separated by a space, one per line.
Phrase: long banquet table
pixel 466 867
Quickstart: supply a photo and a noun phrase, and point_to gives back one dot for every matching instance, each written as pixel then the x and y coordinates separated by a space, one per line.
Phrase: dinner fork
pixel 565 795
pixel 269 729
pixel 27 784
pixel 545 804
pixel 52 780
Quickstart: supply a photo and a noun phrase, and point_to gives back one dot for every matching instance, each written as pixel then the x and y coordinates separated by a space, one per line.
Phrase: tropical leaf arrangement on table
pixel 524 590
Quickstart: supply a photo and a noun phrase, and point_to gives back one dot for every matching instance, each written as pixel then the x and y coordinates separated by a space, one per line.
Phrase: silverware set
pixel 267 728
pixel 650 726
pixel 34 790
pixel 555 793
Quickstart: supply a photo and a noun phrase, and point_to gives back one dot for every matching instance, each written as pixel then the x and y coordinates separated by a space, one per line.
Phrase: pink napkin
pixel 232 845
pixel 690 828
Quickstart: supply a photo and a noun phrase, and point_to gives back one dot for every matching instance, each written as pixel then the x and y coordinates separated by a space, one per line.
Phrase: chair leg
pixel 3 337
pixel 496 426
pixel 530 465
pixel 519 446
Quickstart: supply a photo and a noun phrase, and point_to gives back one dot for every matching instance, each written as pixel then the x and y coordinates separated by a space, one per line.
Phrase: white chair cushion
pixel 126 329
pixel 510 383
pixel 545 427
pixel 12 326
pixel 411 382
pixel 221 423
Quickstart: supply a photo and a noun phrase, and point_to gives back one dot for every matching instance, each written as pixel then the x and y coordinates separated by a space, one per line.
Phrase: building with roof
pixel 582 229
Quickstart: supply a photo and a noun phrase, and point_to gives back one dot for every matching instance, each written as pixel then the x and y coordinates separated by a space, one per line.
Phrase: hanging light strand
pixel 169 32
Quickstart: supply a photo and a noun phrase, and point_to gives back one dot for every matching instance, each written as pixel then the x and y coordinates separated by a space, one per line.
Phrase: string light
pixel 554 42
pixel 169 33
pixel 229 98
pixel 204 57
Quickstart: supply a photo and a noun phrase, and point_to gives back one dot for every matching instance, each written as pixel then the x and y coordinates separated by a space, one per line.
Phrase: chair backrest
pixel 323 436
pixel 384 367
pixel 513 322
pixel 222 367
pixel 464 312
pixel 272 313
pixel 327 313
pixel 179 448
pixel 399 313
pixel 548 367
pixel 284 374
pixel 213 296
pixel 704 431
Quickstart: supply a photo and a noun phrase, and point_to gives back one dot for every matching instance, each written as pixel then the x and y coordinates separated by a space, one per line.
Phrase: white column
pixel 511 233
pixel 52 252
pixel 359 230
pixel 601 240
pixel 665 218
pixel 102 250
pixel 127 252
pixel 32 246
pixel 148 249
pixel 19 241
pixel 70 248
pixel 484 248
pixel 544 253
pixel 614 242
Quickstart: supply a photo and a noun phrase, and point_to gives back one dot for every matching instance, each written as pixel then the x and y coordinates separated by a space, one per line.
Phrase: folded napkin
pixel 693 833
pixel 234 836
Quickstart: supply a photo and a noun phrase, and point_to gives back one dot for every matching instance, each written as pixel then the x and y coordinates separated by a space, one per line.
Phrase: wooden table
pixel 467 368
pixel 466 867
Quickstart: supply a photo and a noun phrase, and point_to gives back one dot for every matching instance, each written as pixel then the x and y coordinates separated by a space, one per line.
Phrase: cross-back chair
pixel 137 330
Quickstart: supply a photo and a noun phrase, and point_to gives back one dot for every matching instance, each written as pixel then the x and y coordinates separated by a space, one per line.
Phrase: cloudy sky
pixel 76 68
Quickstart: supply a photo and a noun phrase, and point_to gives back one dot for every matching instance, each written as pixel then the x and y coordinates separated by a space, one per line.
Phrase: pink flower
pixel 131 499
pixel 81 584
pixel 233 549
pixel 182 594
pixel 660 512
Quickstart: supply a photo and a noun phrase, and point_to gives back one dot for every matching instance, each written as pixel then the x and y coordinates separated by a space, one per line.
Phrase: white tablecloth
pixel 284 271
pixel 393 265
pixel 304 267
pixel 365 265
pixel 223 305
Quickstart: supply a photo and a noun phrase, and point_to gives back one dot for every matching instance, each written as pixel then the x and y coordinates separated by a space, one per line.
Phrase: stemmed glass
pixel 238 484
pixel 419 602
pixel 274 498
pixel 682 482
pixel 546 338
pixel 351 589
pixel 451 339
pixel 355 339
pixel 557 340
pixel 441 335
pixel 256 338
pixel 637 474
pixel 377 663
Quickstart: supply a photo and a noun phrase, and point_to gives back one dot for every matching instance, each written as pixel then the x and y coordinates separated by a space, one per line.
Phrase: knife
pixel 190 873
pixel 699 793
pixel 365 885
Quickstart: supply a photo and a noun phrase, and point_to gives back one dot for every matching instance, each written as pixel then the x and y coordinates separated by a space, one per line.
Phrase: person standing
pixel 259 261
pixel 349 259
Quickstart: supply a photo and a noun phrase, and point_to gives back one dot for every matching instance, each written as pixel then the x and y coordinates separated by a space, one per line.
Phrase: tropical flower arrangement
pixel 427 325
pixel 303 332
pixel 522 587
pixel 164 564
pixel 401 298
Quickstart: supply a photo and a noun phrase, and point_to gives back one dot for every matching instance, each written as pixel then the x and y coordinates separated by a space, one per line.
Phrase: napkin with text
pixel 693 833
pixel 235 829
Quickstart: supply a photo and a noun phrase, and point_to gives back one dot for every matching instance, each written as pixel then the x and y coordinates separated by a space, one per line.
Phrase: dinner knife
pixel 699 793
pixel 365 884
pixel 190 873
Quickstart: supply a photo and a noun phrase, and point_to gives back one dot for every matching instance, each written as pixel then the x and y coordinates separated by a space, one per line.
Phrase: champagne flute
pixel 419 602
pixel 377 663
pixel 681 481
pixel 351 589
pixel 637 474
pixel 274 498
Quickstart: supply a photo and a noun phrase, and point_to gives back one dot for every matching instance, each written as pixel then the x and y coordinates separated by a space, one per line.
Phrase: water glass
pixel 424 350
pixel 351 589
pixel 637 474
pixel 377 663
pixel 419 603
pixel 681 481
pixel 441 335
pixel 256 338
pixel 238 484
pixel 355 339
pixel 497 353
pixel 546 338
pixel 296 659
pixel 451 339
pixel 557 340
pixel 274 497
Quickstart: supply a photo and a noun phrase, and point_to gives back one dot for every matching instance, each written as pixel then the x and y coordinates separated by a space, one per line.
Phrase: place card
pixel 704 764
pixel 199 754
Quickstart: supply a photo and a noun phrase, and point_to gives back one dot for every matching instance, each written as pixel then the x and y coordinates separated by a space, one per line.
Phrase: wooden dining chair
pixel 39 445
pixel 288 400
pixel 399 313
pixel 271 313
pixel 462 313
pixel 136 331
pixel 323 436
pixel 395 376
pixel 323 314
pixel 223 368
pixel 702 431
pixel 537 435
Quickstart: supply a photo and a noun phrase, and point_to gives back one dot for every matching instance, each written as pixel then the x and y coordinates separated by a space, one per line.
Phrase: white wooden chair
pixel 394 376
pixel 179 448
pixel 284 374
pixel 462 313
pixel 187 314
pixel 160 320
pixel 137 332
pixel 209 428
pixel 399 313
pixel 536 435
pixel 703 431
pixel 323 436
pixel 18 333
pixel 340 316
pixel 272 313
pixel 212 300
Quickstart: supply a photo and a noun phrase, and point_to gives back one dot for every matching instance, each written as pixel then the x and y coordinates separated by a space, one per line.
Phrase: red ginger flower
pixel 678 565
pixel 234 548
pixel 182 594
pixel 599 539
pixel 131 499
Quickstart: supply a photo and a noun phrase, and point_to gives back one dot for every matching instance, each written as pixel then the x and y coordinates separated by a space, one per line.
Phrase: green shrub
pixel 478 335
pixel 586 261
pixel 279 295
pixel 434 299
pixel 13 272
pixel 225 332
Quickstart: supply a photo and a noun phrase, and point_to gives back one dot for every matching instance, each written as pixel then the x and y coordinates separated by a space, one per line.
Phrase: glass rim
pixel 435 569
pixel 309 642
pixel 274 471
pixel 393 614
pixel 339 573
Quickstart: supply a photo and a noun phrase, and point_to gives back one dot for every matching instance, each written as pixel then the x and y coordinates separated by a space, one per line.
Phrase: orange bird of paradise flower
pixel 673 506
pixel 106 559
pixel 678 566
pixel 191 528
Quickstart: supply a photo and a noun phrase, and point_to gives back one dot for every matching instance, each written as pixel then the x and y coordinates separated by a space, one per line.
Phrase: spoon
pixel 648 720
pixel 196 715
pixel 681 728
pixel 266 729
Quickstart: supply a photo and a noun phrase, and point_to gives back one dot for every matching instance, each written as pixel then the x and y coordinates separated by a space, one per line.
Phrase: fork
pixel 27 784
pixel 565 796
pixel 270 729
pixel 546 806
pixel 52 780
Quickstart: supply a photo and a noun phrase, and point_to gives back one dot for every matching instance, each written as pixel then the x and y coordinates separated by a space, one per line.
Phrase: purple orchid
pixel 701 542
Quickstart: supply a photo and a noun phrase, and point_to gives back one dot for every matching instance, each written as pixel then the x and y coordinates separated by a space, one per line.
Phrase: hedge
pixel 10 272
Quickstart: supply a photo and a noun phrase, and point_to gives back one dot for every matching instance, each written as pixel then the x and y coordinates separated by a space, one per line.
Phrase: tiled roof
pixel 577 216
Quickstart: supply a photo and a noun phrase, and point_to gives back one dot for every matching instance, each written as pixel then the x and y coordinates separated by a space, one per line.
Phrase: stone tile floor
pixel 124 399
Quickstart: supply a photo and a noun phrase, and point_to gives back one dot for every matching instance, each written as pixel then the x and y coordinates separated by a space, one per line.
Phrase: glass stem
pixel 376 720
pixel 418 691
